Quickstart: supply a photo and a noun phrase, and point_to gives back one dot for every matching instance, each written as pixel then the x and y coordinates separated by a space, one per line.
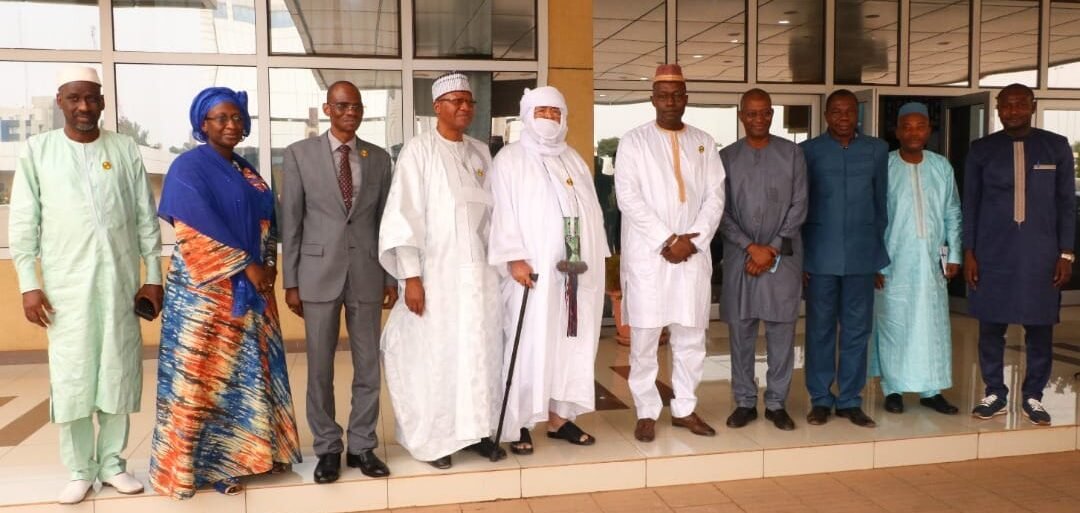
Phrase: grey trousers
pixel 322 324
pixel 780 350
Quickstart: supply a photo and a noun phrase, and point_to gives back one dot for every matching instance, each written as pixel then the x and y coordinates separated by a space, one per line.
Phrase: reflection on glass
pixel 1064 44
pixel 1066 123
pixel 712 39
pixel 159 122
pixel 497 29
pixel 940 32
pixel 1010 43
pixel 718 120
pixel 318 27
pixel 297 96
pixel 50 25
pixel 224 26
pixel 866 36
pixel 628 38
pixel 27 108
pixel 790 41
pixel 497 96
pixel 792 122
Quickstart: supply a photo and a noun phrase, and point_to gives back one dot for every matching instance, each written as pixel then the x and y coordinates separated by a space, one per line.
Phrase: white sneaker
pixel 75 491
pixel 124 483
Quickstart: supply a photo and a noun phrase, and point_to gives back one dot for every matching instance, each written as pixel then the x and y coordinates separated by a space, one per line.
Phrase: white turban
pixel 449 83
pixel 76 74
pixel 547 142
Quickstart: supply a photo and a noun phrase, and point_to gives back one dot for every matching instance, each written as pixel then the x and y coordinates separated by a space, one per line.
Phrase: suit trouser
pixel 77 446
pixel 847 302
pixel 687 365
pixel 322 325
pixel 780 354
pixel 1038 342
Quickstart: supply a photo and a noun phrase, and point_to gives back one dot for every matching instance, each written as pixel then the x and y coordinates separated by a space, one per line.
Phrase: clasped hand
pixel 679 248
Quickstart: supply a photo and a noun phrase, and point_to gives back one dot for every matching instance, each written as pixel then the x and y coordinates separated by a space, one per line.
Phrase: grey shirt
pixel 354 161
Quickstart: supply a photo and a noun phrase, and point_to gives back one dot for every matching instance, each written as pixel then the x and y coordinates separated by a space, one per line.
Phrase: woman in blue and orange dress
pixel 224 408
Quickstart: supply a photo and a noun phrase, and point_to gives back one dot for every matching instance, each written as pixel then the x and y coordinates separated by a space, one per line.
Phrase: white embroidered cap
pixel 449 83
pixel 77 74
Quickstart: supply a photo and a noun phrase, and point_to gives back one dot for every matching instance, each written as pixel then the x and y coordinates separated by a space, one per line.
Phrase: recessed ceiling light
pixel 734 40
pixel 603 96
pixel 784 22
pixel 698 56
pixel 643 78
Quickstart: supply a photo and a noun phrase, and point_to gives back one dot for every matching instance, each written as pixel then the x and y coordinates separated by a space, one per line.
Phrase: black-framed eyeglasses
pixel 343 107
pixel 458 102
pixel 223 119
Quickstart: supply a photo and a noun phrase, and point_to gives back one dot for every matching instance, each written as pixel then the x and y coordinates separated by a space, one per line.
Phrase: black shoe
pixel 486 447
pixel 818 415
pixel 856 416
pixel 894 403
pixel 780 419
pixel 442 463
pixel 368 463
pixel 741 416
pixel 939 404
pixel 329 468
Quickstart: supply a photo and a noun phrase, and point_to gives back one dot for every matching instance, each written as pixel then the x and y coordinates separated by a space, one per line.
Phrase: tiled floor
pixel 30 472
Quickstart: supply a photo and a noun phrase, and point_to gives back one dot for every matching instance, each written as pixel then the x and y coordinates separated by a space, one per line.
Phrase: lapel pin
pixel 106 165
pixel 701 149
pixel 363 153
pixel 480 173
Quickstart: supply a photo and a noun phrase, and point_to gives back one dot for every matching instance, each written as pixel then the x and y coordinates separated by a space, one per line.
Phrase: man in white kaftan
pixel 669 181
pixel 546 212
pixel 81 202
pixel 442 346
pixel 911 348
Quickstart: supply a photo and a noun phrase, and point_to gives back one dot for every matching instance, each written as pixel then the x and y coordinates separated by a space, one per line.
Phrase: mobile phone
pixel 145 308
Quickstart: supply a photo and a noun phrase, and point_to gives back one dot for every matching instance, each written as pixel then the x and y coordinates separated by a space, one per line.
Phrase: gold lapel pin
pixel 701 149
pixel 106 165
pixel 480 173
pixel 570 182
pixel 363 153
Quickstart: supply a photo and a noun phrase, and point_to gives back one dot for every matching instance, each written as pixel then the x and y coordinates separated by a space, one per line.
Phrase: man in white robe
pixel 81 202
pixel 670 186
pixel 442 346
pixel 545 205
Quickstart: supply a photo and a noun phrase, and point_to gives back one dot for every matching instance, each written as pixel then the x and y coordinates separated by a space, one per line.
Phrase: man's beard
pixel 85 127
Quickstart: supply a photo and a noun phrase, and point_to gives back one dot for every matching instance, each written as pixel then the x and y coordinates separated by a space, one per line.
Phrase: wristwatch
pixel 1068 256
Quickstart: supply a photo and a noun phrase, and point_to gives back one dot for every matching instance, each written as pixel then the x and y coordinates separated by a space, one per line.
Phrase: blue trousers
pixel 844 304
pixel 1038 341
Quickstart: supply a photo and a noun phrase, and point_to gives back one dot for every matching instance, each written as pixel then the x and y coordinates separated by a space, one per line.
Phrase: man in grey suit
pixel 331 205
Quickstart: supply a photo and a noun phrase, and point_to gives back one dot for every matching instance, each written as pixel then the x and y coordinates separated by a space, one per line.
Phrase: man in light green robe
pixel 912 344
pixel 82 204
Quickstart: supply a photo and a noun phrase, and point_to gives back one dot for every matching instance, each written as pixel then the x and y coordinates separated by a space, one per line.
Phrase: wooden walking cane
pixel 495 455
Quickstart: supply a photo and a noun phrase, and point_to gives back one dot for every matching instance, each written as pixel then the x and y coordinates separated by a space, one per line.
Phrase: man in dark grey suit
pixel 331 205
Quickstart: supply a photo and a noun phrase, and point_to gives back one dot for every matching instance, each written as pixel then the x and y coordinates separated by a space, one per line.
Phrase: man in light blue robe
pixel 912 344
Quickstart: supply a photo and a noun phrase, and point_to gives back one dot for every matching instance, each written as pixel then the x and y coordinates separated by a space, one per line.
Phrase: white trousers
pixel 687 364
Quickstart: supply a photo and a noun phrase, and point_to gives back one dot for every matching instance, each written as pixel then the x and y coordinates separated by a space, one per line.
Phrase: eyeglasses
pixel 458 102
pixel 664 98
pixel 754 114
pixel 223 119
pixel 341 108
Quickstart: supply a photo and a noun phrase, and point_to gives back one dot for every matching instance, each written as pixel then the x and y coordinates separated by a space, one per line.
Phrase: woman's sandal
pixel 573 434
pixel 229 486
pixel 524 444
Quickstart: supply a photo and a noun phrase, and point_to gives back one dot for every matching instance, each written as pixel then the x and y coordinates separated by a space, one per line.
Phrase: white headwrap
pixel 77 74
pixel 546 96
pixel 449 83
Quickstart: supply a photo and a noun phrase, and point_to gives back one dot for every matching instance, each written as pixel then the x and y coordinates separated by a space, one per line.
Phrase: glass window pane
pixel 225 26
pixel 321 27
pixel 712 39
pixel 27 107
pixel 939 52
pixel 1010 43
pixel 498 97
pixel 628 38
pixel 497 29
pixel 866 36
pixel 791 122
pixel 71 24
pixel 159 122
pixel 1064 44
pixel 790 41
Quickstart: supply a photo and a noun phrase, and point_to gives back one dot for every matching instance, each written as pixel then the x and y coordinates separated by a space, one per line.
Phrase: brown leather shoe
pixel 645 431
pixel 694 424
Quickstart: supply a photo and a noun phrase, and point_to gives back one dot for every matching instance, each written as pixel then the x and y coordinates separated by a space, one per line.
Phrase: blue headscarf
pixel 207 99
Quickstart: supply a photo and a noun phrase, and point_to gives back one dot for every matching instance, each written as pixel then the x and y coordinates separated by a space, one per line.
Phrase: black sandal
pixel 486 447
pixel 573 434
pixel 523 446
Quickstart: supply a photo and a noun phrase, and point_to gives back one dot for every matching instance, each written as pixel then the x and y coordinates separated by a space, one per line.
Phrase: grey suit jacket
pixel 323 244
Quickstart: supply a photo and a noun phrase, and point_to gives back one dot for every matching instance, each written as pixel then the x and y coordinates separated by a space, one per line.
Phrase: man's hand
pixel 414 295
pixel 1062 273
pixel 154 293
pixel 389 298
pixel 680 249
pixel 292 300
pixel 520 271
pixel 971 269
pixel 879 281
pixel 762 256
pixel 36 307
pixel 951 270
pixel 753 269
pixel 258 276
pixel 805 279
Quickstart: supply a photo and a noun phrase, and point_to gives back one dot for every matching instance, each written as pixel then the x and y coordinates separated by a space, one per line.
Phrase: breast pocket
pixel 311 249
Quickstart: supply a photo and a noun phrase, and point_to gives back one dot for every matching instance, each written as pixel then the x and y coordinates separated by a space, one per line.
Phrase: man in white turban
pixel 547 220
pixel 441 345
